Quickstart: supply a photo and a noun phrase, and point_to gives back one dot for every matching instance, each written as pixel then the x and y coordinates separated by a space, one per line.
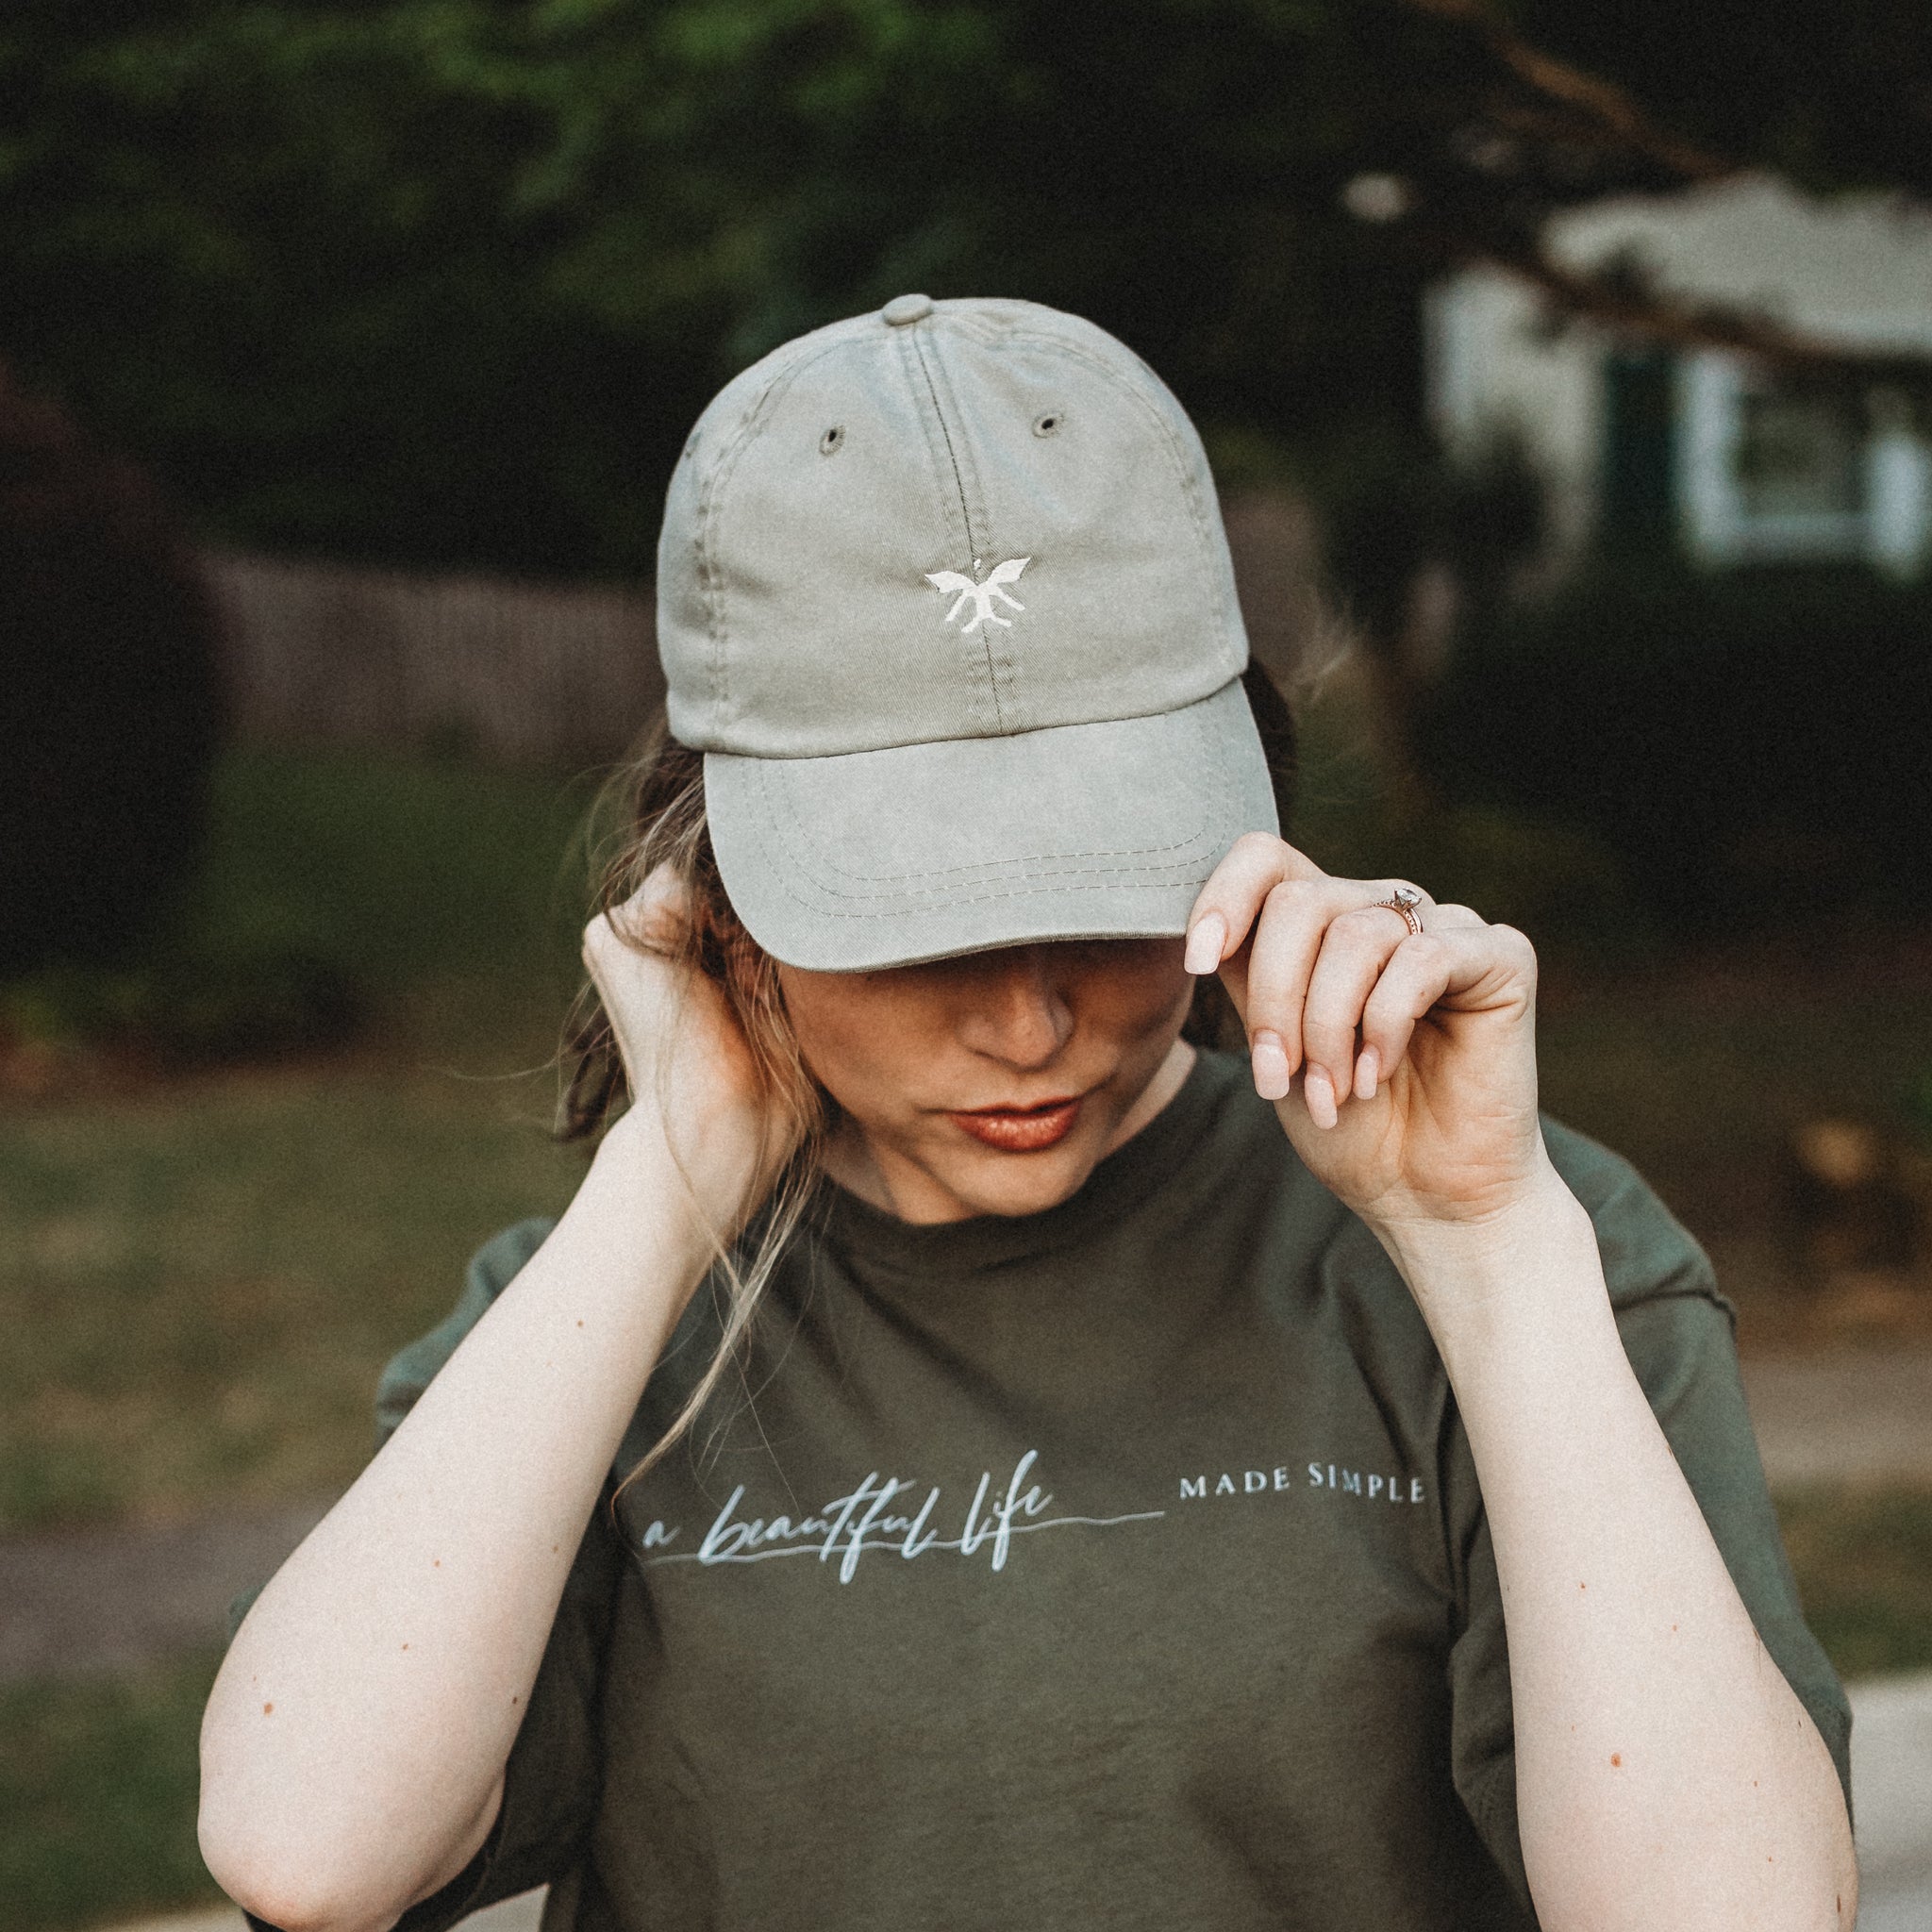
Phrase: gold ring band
pixel 1405 900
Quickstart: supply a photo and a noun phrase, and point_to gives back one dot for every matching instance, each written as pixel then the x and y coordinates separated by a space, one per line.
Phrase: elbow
pixel 303 1866
pixel 276 1881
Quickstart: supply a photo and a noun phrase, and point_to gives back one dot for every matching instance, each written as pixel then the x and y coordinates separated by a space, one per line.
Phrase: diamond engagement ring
pixel 1405 900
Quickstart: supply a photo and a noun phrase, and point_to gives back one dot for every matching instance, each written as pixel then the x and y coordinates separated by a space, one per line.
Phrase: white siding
pixel 1497 372
pixel 1857 271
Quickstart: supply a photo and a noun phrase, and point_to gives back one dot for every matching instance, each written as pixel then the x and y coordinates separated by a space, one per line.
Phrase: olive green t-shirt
pixel 1121 1565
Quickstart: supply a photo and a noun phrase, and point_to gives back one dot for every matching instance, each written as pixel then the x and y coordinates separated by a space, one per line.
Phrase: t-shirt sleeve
pixel 1677 1332
pixel 552 1780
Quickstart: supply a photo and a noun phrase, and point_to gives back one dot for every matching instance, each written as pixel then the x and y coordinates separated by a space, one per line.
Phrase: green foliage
pixel 99 1783
pixel 334 886
pixel 448 280
pixel 113 708
pixel 1356 817
pixel 1833 95
pixel 434 280
pixel 1752 744
pixel 1919 1103
pixel 189 1007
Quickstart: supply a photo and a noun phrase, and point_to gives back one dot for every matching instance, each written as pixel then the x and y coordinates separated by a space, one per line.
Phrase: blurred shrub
pixel 1358 813
pixel 217 998
pixel 112 707
pixel 1745 744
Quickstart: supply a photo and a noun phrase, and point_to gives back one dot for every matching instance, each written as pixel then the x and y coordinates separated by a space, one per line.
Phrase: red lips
pixel 1022 1130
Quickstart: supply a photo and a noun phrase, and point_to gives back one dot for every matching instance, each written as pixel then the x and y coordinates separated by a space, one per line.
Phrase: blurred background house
pixel 1815 455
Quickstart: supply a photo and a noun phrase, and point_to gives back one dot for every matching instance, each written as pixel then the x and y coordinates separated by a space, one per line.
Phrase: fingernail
pixel 1205 944
pixel 1317 1095
pixel 1272 1075
pixel 1368 1070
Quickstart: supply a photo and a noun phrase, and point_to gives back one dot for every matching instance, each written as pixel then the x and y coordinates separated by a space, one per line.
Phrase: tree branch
pixel 1621 302
pixel 1599 101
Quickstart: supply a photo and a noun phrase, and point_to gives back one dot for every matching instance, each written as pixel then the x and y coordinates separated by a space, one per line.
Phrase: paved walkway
pixel 101 1600
pixel 1891 1793
pixel 1862 1415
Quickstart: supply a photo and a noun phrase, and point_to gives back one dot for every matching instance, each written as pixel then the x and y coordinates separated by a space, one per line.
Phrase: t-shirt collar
pixel 1123 1179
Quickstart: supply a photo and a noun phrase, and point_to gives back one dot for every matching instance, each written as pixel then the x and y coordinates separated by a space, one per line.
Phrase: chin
pixel 1016 1184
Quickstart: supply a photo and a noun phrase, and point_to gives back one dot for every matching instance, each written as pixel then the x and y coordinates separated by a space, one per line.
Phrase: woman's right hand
pixel 692 1077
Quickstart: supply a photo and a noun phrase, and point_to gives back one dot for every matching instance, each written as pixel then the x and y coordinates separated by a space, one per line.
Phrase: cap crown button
pixel 903 310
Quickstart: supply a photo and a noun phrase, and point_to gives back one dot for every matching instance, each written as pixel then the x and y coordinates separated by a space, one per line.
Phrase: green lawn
pixel 200 1276
pixel 97 1795
pixel 198 1292
pixel 405 871
pixel 1863 1561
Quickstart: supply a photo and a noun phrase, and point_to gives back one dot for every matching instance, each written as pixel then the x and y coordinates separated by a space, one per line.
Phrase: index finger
pixel 1226 907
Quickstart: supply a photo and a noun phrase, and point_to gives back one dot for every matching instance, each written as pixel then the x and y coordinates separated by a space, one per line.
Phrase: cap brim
pixel 921 851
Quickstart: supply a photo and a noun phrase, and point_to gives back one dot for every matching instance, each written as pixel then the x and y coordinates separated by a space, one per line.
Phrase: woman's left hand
pixel 1403 1066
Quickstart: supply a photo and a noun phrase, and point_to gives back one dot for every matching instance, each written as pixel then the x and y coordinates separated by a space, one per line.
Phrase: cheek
pixel 854 1037
pixel 1151 997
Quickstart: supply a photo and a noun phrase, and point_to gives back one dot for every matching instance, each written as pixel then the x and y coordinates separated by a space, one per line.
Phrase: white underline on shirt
pixel 894 1543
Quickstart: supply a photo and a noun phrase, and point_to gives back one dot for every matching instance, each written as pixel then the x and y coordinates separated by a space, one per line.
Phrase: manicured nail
pixel 1317 1095
pixel 1272 1075
pixel 1205 944
pixel 1368 1070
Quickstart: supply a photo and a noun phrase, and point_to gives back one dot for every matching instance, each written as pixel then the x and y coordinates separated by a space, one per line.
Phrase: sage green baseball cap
pixel 945 598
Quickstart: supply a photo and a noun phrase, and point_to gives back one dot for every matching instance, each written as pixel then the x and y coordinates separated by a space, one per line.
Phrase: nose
pixel 1016 1012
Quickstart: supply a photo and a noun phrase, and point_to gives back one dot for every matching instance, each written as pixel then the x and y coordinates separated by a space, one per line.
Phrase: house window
pixel 1799 455
pixel 1769 469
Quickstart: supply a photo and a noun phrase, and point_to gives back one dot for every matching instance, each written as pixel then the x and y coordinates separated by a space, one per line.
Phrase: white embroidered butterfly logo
pixel 981 595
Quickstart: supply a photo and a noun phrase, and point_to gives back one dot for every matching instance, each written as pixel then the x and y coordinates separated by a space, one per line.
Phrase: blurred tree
pixel 447 279
pixel 111 710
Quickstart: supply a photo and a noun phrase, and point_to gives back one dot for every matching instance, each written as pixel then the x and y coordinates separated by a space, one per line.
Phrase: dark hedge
pixel 1755 743
pixel 112 707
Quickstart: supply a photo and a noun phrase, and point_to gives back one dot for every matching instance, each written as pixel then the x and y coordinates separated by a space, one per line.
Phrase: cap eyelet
pixel 830 442
pixel 1047 425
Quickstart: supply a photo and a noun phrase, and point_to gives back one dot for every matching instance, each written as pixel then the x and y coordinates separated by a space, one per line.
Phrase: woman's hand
pixel 1416 1099
pixel 693 1075
pixel 1666 1774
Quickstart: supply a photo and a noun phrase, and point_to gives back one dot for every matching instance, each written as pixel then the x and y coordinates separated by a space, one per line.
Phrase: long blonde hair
pixel 660 799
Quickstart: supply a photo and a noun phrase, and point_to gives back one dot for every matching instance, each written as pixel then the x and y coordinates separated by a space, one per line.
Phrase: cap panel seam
pixel 940 455
pixel 1000 668
pixel 917 349
pixel 939 450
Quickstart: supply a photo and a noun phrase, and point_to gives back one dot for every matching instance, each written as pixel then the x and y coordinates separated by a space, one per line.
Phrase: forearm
pixel 1667 1776
pixel 361 1721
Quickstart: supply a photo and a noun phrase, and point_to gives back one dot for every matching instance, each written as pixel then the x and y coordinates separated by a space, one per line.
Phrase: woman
pixel 1142 1454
